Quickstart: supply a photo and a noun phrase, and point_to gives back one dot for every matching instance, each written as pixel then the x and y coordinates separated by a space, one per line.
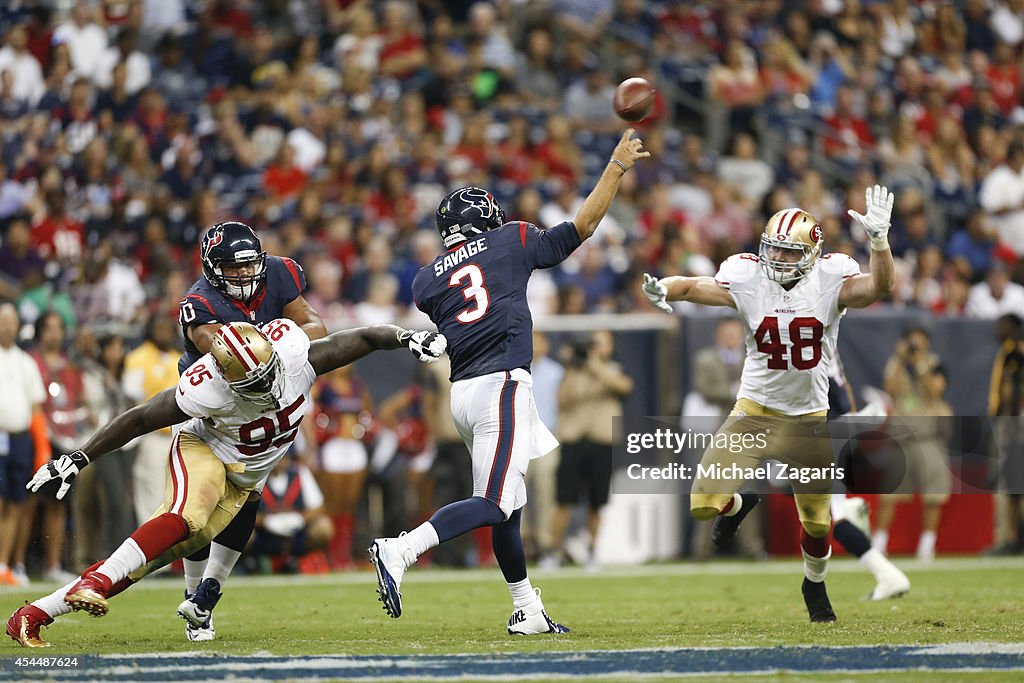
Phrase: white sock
pixel 875 562
pixel 737 503
pixel 926 544
pixel 522 593
pixel 816 568
pixel 193 574
pixel 222 561
pixel 53 604
pixel 123 562
pixel 880 541
pixel 422 538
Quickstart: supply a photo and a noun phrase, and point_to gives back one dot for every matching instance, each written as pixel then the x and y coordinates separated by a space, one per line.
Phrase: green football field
pixel 716 605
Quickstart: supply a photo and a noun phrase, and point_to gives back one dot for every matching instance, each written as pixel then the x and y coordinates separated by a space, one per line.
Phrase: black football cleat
pixel 816 599
pixel 725 528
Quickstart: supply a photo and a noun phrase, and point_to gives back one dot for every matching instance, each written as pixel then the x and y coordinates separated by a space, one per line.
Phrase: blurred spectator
pixel 995 295
pixel 1005 405
pixel 148 370
pixel 925 465
pixel 589 397
pixel 21 426
pixel 1002 196
pixel 291 523
pixel 717 372
pixel 541 477
pixel 27 85
pixel 66 419
pixel 85 38
pixel 101 508
pixel 971 248
pixel 343 404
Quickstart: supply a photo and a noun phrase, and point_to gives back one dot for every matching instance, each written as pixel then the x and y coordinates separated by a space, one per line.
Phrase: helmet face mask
pixel 795 231
pixel 233 244
pixel 465 213
pixel 249 364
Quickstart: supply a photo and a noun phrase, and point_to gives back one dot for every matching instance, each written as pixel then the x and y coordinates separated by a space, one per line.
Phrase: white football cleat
pixel 200 633
pixel 533 620
pixel 391 557
pixel 892 583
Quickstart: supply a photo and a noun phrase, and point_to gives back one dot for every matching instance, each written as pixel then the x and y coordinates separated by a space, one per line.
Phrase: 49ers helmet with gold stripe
pixel 791 229
pixel 249 363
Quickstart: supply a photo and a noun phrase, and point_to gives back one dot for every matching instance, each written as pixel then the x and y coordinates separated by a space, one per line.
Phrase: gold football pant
pixel 798 441
pixel 199 490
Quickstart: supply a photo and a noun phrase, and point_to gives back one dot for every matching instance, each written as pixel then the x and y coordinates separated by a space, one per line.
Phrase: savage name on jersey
pixel 791 334
pixel 205 304
pixel 476 294
pixel 247 437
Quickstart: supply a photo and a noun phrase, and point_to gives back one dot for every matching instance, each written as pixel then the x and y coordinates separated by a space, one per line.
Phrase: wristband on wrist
pixel 620 165
pixel 880 243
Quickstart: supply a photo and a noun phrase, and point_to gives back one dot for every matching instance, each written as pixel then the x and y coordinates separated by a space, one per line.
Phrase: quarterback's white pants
pixel 497 419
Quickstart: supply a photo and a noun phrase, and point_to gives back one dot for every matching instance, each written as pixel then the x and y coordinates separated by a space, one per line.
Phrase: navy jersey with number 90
pixel 476 294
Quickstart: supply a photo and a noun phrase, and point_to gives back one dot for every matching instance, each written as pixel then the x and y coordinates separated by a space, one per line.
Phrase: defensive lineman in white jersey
pixel 241 404
pixel 790 300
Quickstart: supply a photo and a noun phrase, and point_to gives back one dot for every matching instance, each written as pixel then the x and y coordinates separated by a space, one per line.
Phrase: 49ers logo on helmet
pixel 816 234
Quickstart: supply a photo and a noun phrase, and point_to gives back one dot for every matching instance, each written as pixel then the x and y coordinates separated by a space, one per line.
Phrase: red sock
pixel 160 534
pixel 815 547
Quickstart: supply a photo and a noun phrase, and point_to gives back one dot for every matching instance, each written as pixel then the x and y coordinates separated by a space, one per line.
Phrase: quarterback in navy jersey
pixel 240 283
pixel 476 295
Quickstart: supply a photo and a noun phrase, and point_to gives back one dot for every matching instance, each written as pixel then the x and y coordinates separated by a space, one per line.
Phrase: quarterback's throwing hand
pixel 426 346
pixel 65 468
pixel 656 292
pixel 629 150
pixel 879 202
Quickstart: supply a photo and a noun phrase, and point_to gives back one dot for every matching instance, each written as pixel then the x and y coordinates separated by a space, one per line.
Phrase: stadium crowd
pixel 334 127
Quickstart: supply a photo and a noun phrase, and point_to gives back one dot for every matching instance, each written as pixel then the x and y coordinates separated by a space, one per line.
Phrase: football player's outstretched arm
pixel 341 348
pixel 863 290
pixel 158 412
pixel 202 335
pixel 306 317
pixel 702 290
pixel 626 153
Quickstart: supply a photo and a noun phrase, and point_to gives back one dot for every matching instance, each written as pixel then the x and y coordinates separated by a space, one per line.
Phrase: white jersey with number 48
pixel 250 439
pixel 791 335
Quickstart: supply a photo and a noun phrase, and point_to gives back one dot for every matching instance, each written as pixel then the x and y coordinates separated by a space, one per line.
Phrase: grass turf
pixel 679 605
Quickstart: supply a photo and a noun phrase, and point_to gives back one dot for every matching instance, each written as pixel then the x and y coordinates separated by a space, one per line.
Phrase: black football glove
pixel 65 468
pixel 426 346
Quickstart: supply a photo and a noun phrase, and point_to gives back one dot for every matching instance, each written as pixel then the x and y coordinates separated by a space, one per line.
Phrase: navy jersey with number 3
pixel 205 304
pixel 476 294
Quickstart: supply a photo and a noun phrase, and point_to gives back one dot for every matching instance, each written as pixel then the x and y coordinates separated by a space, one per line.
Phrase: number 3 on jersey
pixel 475 291
pixel 769 342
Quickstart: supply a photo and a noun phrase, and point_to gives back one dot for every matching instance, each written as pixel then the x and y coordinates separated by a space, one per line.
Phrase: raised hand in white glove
pixel 876 223
pixel 426 346
pixel 656 292
pixel 64 469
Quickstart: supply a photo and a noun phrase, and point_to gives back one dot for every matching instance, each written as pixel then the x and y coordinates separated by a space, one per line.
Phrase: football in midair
pixel 634 98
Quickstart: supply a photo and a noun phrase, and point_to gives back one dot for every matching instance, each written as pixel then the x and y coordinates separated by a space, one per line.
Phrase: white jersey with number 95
pixel 791 335
pixel 249 439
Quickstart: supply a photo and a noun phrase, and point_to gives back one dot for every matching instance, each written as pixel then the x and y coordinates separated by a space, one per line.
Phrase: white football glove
pixel 425 345
pixel 65 468
pixel 656 292
pixel 879 202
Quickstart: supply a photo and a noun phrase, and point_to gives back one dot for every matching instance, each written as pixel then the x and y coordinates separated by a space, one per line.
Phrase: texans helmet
pixel 466 212
pixel 234 244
